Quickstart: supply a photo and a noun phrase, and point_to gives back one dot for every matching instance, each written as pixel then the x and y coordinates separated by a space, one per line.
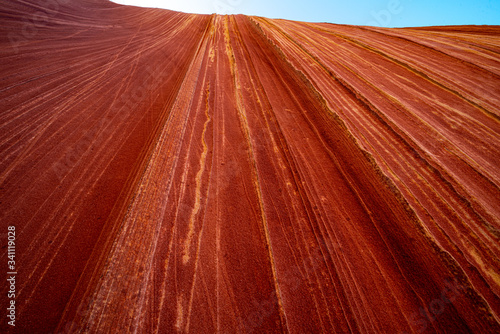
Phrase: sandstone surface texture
pixel 181 173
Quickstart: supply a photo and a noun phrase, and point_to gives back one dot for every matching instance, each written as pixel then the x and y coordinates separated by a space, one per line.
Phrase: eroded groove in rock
pixel 171 172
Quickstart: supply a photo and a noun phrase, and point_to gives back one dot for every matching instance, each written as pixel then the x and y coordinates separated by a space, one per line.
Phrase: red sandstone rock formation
pixel 178 173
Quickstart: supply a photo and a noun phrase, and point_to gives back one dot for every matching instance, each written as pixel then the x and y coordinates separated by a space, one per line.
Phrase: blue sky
pixel 386 13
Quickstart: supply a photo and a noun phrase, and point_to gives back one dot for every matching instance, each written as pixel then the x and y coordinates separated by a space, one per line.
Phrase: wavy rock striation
pixel 170 172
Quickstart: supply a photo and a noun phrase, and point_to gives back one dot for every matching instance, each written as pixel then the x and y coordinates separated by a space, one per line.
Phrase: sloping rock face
pixel 176 173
